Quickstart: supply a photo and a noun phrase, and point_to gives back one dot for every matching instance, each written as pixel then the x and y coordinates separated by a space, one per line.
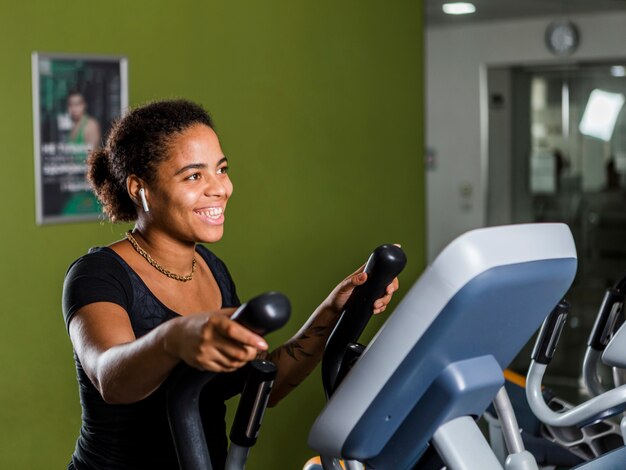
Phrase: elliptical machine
pixel 584 427
pixel 431 370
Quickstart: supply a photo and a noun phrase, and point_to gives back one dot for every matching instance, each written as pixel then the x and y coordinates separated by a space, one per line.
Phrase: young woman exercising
pixel 140 306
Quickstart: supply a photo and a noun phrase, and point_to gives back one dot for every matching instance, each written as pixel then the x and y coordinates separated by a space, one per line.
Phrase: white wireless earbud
pixel 144 201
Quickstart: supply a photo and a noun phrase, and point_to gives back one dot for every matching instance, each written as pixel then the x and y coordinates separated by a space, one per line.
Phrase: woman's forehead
pixel 195 138
pixel 196 144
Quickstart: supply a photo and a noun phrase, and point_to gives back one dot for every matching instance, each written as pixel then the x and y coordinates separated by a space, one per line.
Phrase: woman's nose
pixel 215 187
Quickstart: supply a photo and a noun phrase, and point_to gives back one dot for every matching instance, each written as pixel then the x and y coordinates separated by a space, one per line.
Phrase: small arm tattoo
pixel 294 348
pixel 319 331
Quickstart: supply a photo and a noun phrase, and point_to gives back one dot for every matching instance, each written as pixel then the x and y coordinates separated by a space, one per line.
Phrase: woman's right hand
pixel 213 342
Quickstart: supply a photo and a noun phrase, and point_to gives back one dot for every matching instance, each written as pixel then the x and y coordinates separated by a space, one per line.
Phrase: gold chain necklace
pixel 157 266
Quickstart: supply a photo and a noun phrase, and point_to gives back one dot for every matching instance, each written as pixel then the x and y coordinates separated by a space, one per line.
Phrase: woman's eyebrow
pixel 199 166
pixel 193 166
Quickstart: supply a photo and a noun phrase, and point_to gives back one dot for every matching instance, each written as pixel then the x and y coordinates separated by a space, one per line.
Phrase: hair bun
pixel 98 168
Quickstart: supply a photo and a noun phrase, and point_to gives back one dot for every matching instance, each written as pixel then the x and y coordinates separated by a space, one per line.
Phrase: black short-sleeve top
pixel 137 436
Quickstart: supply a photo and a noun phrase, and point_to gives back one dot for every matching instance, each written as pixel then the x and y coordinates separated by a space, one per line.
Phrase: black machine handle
pixel 262 314
pixel 550 332
pixel 352 354
pixel 383 265
pixel 620 285
pixel 608 318
pixel 253 402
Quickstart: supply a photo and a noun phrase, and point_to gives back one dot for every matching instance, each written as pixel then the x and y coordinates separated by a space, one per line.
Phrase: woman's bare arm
pixel 297 358
pixel 125 369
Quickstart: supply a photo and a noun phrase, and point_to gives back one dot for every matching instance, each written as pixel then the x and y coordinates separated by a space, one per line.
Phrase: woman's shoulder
pixel 92 124
pixel 97 276
pixel 100 259
pixel 94 254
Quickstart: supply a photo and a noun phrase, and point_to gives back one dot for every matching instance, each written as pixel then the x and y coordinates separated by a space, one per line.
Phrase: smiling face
pixel 189 195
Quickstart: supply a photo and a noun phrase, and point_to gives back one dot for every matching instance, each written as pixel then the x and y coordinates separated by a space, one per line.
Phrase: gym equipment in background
pixel 536 436
pixel 591 434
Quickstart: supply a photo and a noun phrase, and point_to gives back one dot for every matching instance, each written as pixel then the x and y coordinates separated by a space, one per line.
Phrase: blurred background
pixel 347 125
pixel 525 124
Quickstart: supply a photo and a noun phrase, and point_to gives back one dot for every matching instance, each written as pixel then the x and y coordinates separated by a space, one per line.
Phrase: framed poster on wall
pixel 75 101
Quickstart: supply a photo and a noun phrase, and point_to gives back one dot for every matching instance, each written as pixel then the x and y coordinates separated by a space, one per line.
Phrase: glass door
pixel 568 164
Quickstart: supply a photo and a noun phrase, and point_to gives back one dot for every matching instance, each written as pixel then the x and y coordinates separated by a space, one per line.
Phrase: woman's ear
pixel 137 192
pixel 144 201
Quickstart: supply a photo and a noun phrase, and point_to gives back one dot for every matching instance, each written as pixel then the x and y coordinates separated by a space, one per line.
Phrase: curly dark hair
pixel 137 143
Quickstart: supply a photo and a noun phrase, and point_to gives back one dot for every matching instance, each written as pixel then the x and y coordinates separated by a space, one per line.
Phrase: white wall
pixel 455 56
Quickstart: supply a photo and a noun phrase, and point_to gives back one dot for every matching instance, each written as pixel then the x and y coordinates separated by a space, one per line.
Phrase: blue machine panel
pixel 489 320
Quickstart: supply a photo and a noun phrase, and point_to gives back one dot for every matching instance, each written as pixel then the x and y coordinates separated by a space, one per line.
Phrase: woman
pixel 85 132
pixel 144 304
pixel 84 136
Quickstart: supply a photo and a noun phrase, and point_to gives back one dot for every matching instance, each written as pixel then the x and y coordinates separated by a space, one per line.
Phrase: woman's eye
pixel 223 170
pixel 194 176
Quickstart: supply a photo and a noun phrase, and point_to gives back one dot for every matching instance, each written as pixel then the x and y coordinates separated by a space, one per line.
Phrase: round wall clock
pixel 562 37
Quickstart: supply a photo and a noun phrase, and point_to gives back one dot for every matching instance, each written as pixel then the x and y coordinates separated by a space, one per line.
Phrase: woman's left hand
pixel 305 350
pixel 340 294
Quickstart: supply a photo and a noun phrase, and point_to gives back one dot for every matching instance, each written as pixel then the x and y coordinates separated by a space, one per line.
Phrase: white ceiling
pixel 492 10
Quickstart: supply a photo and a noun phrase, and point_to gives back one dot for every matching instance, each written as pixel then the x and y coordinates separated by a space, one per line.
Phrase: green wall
pixel 319 106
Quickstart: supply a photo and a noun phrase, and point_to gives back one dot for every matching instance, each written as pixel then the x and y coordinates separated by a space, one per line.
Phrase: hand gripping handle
pixel 550 332
pixel 262 314
pixel 383 265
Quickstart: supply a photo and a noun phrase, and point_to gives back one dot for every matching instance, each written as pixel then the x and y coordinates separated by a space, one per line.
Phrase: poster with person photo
pixel 75 101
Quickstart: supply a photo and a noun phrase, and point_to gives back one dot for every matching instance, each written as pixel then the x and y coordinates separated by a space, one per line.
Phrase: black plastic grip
pixel 607 319
pixel 383 265
pixel 620 285
pixel 253 402
pixel 550 332
pixel 183 402
pixel 352 354
pixel 262 314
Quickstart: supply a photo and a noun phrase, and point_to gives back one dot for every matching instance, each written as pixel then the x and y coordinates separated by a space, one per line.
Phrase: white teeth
pixel 213 212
